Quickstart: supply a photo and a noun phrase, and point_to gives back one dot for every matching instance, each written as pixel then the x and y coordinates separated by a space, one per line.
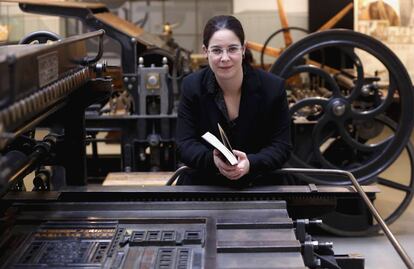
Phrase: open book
pixel 224 147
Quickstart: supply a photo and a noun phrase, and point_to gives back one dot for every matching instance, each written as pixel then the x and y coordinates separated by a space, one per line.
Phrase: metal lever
pixel 91 60
pixel 397 246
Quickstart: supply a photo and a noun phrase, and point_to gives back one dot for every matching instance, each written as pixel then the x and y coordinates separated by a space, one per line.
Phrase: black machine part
pixel 39 37
pixel 350 117
pixel 212 234
pixel 393 240
pixel 406 190
pixel 338 109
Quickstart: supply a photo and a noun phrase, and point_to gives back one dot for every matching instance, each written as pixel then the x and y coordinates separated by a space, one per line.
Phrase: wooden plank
pixel 58 3
pixel 335 19
pixel 268 51
pixel 137 179
pixel 117 23
pixel 283 21
pixel 102 15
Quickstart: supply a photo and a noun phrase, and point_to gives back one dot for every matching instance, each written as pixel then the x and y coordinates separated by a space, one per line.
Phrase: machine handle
pixel 91 60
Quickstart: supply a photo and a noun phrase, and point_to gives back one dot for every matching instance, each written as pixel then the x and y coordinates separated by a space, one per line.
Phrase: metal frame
pixel 397 246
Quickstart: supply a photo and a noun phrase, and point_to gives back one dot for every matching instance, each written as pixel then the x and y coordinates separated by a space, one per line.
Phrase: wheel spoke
pixel 307 102
pixel 317 139
pixel 356 91
pixel 368 114
pixel 312 69
pixel 394 185
pixel 359 146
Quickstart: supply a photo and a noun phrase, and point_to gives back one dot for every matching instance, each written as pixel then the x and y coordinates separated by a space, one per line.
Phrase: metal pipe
pixel 25 165
pixel 397 246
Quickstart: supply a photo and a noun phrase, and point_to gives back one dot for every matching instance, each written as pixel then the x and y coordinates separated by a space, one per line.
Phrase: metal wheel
pixel 348 105
pixel 339 114
pixel 405 190
pixel 39 37
pixel 282 30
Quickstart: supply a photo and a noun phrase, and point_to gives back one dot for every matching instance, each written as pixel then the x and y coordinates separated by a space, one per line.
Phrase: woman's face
pixel 225 54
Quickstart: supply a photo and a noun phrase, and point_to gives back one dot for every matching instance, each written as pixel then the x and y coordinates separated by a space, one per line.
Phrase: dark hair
pixel 222 22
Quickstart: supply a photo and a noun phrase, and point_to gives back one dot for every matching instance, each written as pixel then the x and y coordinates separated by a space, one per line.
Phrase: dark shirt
pixel 261 129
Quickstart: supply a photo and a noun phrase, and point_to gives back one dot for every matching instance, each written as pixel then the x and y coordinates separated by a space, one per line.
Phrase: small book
pixel 223 146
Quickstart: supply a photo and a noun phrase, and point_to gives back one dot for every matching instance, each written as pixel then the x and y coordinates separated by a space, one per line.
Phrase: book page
pixel 210 138
pixel 224 138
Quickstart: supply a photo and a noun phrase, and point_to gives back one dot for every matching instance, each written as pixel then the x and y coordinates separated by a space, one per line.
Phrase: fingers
pixel 231 175
pixel 234 177
pixel 221 164
pixel 240 154
pixel 232 172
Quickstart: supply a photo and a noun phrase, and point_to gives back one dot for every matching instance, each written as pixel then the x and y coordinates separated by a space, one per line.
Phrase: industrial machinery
pixel 50 87
pixel 35 85
pixel 346 111
pixel 358 122
pixel 148 88
pixel 77 225
pixel 351 73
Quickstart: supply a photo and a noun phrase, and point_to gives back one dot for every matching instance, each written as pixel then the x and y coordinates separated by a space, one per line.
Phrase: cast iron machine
pixel 150 74
pixel 352 78
pixel 185 227
pixel 350 116
pixel 75 225
pixel 36 85
pixel 345 110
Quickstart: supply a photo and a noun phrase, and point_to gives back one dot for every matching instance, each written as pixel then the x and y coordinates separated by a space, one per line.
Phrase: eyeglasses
pixel 218 52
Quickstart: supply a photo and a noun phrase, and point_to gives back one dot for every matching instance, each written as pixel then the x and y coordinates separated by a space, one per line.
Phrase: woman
pixel 249 104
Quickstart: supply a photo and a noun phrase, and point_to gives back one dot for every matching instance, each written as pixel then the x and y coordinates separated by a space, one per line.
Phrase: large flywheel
pixel 356 115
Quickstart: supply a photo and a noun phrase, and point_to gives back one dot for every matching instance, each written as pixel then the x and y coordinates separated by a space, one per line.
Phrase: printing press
pixel 112 227
pixel 67 222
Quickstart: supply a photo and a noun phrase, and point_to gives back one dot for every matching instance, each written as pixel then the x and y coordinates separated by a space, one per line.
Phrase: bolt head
pixel 338 108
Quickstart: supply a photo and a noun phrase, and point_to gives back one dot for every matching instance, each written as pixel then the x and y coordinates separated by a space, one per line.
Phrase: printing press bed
pixel 164 227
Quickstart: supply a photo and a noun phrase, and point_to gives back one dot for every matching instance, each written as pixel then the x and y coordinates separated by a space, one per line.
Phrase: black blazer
pixel 261 131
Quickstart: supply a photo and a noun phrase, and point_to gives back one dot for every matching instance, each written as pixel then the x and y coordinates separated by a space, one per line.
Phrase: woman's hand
pixel 232 172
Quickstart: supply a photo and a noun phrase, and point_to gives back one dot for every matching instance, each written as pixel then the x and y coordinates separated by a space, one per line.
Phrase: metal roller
pixel 35 103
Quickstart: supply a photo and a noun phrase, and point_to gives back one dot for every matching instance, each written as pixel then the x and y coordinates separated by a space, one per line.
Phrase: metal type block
pixel 155 235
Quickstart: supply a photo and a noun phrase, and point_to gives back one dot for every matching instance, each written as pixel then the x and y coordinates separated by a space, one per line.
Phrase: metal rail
pixel 397 246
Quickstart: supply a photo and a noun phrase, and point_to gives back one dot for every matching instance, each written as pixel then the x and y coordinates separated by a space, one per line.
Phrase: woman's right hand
pixel 230 171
